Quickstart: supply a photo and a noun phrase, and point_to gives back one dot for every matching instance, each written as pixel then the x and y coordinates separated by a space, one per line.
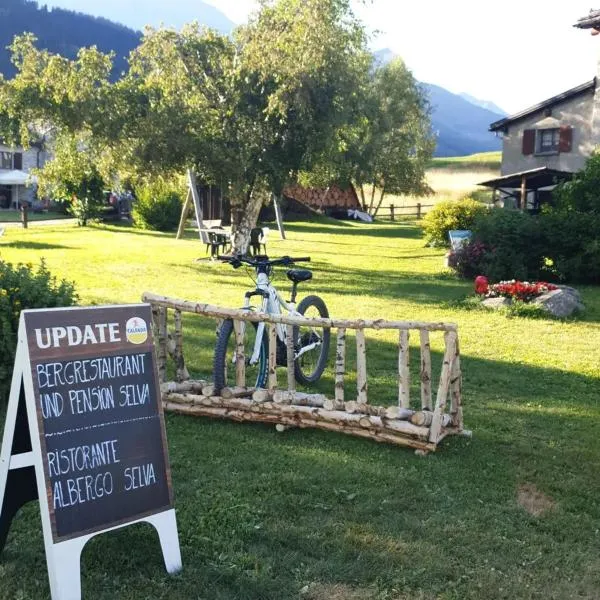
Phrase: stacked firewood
pixel 321 198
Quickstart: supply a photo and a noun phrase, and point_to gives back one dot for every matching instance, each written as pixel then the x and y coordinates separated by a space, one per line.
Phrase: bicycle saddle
pixel 298 275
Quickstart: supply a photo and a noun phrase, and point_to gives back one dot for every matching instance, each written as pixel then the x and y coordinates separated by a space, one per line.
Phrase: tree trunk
pixel 363 198
pixel 380 202
pixel 372 199
pixel 243 220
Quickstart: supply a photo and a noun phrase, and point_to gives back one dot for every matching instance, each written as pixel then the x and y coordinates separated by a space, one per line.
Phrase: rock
pixel 560 303
pixel 496 303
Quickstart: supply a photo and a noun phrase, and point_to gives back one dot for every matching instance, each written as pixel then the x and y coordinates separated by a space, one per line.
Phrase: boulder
pixel 496 303
pixel 560 303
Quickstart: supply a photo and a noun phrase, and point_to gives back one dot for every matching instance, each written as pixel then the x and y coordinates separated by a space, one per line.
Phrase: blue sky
pixel 515 53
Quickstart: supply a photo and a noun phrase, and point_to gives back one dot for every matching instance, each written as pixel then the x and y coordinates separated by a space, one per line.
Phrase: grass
pixel 483 160
pixel 14 216
pixel 512 513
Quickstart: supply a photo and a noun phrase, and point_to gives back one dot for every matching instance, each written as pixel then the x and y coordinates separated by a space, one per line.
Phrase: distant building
pixel 17 185
pixel 549 142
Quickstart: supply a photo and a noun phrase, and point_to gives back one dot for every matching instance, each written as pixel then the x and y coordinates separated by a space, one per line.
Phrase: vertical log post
pixel 162 344
pixel 418 211
pixel 340 364
pixel 239 328
pixel 24 214
pixel 182 372
pixel 403 370
pixel 291 378
pixel 361 366
pixel 392 212
pixel 456 390
pixel 442 394
pixel 425 370
pixel 272 329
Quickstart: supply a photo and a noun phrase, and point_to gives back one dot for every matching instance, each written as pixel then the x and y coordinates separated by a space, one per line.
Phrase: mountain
pixel 139 13
pixel 62 32
pixel 461 125
pixel 65 31
pixel 487 104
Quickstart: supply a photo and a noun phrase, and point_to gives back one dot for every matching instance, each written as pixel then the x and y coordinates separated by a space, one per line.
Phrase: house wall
pixel 32 158
pixel 577 113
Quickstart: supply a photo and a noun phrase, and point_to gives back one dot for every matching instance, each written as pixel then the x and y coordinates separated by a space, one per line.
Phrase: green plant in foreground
pixel 450 215
pixel 22 287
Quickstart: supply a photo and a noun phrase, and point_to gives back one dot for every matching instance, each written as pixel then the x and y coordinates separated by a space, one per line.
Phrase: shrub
pixel 158 206
pixel 515 245
pixel 469 260
pixel 449 215
pixel 573 245
pixel 21 287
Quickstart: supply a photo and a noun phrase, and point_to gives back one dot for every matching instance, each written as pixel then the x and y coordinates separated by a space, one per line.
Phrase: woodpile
pixel 323 198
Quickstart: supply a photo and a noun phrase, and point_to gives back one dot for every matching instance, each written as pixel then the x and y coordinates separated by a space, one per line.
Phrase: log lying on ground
pixel 388 436
pixel 253 409
pixel 299 398
pixel 185 386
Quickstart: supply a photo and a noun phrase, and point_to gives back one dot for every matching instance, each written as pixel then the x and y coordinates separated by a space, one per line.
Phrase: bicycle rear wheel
pixel 225 357
pixel 311 344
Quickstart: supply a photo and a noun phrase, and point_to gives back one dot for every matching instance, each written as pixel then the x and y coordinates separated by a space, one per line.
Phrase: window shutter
pixel 529 141
pixel 18 161
pixel 566 139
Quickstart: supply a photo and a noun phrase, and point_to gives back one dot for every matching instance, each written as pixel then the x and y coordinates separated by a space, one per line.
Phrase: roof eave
pixel 573 92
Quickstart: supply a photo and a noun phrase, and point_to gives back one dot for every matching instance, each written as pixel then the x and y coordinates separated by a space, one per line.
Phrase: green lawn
pixel 261 515
pixel 482 160
pixel 14 216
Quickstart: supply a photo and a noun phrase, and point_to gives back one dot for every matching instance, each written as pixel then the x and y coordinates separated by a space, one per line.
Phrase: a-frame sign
pixel 85 434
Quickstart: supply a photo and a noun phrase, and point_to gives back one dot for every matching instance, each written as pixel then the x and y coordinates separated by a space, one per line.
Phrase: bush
pixel 469 260
pixel 158 207
pixel 516 247
pixel 450 215
pixel 20 288
pixel 573 245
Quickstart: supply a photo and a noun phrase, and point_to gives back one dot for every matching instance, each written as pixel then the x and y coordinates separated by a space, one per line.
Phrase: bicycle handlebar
pixel 237 261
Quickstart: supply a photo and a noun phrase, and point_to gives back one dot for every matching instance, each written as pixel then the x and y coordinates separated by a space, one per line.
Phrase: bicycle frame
pixel 272 303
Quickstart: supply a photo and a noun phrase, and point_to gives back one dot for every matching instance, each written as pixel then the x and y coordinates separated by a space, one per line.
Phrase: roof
pixel 591 21
pixel 568 95
pixel 536 179
pixel 15 178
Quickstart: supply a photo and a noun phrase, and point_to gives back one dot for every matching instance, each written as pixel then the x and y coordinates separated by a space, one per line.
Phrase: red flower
pixel 481 285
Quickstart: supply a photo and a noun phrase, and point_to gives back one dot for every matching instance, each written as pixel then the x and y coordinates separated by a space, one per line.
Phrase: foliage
pixel 572 240
pixel 469 259
pixel 580 195
pixel 73 177
pixel 157 207
pixel 22 287
pixel 451 215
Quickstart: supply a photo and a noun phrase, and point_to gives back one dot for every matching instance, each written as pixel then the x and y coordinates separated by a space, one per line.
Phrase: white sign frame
pixel 63 558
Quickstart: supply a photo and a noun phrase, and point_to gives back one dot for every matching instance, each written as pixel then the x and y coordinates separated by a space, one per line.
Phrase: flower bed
pixel 524 291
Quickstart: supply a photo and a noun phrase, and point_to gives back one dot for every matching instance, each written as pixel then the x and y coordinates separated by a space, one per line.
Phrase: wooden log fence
pixel 421 427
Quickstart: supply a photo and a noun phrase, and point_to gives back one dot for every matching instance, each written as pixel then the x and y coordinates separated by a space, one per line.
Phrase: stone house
pixel 549 142
pixel 17 185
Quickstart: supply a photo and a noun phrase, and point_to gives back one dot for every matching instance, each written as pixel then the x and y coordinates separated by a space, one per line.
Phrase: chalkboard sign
pixel 94 433
pixel 100 417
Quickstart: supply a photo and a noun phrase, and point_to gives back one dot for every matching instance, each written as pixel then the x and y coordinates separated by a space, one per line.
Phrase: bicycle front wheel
pixel 225 357
pixel 311 344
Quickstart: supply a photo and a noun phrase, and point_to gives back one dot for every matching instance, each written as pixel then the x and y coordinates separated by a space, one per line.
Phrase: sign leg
pixel 166 526
pixel 64 566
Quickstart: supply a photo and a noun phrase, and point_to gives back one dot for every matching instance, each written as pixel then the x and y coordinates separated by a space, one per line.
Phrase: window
pixel 548 140
pixel 6 160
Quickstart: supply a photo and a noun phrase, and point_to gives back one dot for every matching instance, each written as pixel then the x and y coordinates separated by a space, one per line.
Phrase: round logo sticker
pixel 136 330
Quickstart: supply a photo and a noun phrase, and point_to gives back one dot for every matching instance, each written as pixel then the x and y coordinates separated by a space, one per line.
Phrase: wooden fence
pixel 397 213
pixel 421 429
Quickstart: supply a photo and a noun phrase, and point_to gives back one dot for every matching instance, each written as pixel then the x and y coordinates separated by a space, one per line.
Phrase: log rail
pixel 421 429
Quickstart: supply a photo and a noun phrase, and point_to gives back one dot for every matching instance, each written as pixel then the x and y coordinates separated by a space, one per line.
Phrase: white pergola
pixel 16 178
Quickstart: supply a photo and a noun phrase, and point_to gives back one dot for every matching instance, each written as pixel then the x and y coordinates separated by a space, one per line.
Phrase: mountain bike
pixel 311 344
